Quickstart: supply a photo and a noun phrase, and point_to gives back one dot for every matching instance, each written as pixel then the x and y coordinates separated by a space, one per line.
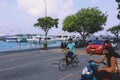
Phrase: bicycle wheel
pixel 62 65
pixel 75 61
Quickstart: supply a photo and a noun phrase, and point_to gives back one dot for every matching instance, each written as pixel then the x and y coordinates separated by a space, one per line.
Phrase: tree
pixel 85 22
pixel 115 30
pixel 46 23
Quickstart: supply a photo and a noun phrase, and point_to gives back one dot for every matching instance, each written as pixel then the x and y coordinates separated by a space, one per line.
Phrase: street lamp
pixel 45 8
pixel 45 44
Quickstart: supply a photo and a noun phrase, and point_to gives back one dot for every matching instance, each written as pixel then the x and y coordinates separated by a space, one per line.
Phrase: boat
pixel 11 39
pixel 22 39
pixel 15 39
pixel 49 39
pixel 34 38
pixel 41 39
pixel 64 36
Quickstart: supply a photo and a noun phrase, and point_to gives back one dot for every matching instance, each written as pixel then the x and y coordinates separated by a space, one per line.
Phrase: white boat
pixel 64 36
pixel 22 39
pixel 11 39
pixel 34 38
pixel 40 38
pixel 49 39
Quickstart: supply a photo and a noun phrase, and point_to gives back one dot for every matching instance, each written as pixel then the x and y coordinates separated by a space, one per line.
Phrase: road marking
pixel 51 59
pixel 5 69
pixel 70 75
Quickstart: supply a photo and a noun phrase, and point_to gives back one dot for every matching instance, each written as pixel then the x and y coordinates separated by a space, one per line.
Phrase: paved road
pixel 40 65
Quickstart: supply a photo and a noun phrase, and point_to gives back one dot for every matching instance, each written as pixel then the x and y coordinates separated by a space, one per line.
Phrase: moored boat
pixel 11 39
pixel 22 39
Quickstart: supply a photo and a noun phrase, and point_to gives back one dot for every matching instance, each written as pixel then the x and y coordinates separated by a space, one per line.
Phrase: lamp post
pixel 45 44
pixel 45 8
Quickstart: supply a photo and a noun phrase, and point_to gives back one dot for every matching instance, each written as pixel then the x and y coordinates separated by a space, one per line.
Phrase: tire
pixel 75 61
pixel 62 65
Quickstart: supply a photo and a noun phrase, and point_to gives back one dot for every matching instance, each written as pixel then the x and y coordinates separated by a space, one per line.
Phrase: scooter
pixel 89 72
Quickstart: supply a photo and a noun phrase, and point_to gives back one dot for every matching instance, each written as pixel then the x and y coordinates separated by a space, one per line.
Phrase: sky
pixel 19 16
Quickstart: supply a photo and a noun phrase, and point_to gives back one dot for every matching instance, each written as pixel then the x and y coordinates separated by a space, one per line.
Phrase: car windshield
pixel 97 42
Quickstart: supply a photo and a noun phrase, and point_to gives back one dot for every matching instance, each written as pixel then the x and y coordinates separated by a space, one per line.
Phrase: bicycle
pixel 62 65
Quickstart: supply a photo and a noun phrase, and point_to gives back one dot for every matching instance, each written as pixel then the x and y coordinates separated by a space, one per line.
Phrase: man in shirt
pixel 71 49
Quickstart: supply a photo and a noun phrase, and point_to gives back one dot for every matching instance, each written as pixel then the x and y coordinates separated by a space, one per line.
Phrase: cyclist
pixel 70 50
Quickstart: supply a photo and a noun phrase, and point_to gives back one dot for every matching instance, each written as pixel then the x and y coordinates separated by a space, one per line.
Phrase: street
pixel 40 65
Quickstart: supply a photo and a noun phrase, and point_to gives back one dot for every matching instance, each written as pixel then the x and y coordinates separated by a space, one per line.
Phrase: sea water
pixel 24 45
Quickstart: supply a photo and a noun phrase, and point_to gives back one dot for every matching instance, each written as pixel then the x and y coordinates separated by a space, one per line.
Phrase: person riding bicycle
pixel 70 49
pixel 105 73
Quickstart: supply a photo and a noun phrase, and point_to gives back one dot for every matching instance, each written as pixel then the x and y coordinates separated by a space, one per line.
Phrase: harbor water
pixel 6 46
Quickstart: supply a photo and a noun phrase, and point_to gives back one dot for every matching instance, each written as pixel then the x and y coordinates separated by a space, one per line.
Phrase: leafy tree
pixel 115 30
pixel 46 23
pixel 85 22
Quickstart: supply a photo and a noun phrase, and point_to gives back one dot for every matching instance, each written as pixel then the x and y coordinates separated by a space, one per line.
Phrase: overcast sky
pixel 19 16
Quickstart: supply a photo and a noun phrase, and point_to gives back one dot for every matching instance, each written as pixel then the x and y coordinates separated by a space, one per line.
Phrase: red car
pixel 98 46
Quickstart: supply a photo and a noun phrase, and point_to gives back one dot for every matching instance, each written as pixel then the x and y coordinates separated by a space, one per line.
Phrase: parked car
pixel 98 46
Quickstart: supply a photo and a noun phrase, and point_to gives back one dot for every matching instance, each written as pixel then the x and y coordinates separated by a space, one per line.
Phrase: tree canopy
pixel 85 21
pixel 115 30
pixel 46 23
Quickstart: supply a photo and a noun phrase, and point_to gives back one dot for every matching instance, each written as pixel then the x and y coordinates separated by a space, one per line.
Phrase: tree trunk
pixel 83 36
pixel 45 43
pixel 84 40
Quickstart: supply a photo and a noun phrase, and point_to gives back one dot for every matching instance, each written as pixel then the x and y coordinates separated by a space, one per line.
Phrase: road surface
pixel 40 65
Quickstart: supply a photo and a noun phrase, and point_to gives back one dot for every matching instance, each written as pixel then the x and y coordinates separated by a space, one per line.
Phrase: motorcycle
pixel 89 72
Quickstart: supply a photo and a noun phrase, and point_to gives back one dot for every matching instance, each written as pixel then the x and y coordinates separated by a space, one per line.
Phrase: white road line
pixel 9 68
pixel 70 75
